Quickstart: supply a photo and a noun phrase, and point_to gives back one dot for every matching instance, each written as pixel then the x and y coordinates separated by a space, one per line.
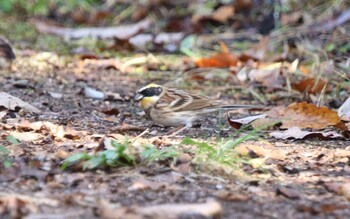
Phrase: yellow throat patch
pixel 147 102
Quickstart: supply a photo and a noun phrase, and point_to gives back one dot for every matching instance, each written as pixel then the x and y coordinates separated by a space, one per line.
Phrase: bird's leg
pixel 179 129
pixel 142 134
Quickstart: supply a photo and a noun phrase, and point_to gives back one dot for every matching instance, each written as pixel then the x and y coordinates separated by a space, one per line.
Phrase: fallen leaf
pixel 168 38
pixel 266 151
pixel 144 184
pixel 209 209
pixel 2 114
pixel 221 15
pixel 344 110
pixel 345 191
pixel 56 95
pixel 127 128
pixel 112 111
pixel 122 32
pixel 183 168
pixel 269 76
pixel 93 93
pixel 328 208
pixel 55 130
pixel 297 133
pixel 232 196
pixel 310 85
pixel 219 60
pixel 5 49
pixel 141 40
pixel 291 19
pixel 307 115
pixel 288 193
pixel 238 123
pixel 10 102
pixel 111 63
pixel 26 136
pixel 257 52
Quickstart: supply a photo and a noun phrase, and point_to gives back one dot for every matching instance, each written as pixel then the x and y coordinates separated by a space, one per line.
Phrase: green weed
pixel 4 157
pixel 107 158
pixel 151 153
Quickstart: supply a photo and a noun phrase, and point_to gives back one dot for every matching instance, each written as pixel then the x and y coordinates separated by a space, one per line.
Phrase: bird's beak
pixel 138 97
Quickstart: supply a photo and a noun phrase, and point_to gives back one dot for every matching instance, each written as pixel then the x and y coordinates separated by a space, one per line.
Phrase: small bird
pixel 178 108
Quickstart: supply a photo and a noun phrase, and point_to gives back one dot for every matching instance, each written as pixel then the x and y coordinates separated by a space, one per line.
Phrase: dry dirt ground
pixel 300 179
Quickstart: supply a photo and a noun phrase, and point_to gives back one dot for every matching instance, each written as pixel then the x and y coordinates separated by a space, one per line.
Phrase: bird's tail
pixel 242 107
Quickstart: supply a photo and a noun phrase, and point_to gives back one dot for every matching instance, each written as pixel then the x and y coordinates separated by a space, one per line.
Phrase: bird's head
pixel 148 95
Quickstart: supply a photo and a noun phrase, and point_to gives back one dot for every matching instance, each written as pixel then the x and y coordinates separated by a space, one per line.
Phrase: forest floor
pixel 181 176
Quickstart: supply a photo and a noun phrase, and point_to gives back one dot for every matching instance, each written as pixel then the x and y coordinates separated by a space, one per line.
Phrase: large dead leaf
pixel 122 32
pixel 219 60
pixel 307 115
pixel 10 102
pixel 297 133
pixel 209 209
pixel 58 131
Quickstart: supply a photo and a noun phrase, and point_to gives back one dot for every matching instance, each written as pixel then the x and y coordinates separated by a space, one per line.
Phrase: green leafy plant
pixel 151 153
pixel 12 139
pixel 107 158
pixel 42 7
pixel 220 152
pixel 4 157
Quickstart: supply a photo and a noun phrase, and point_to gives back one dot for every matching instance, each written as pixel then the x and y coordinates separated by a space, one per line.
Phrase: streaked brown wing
pixel 178 100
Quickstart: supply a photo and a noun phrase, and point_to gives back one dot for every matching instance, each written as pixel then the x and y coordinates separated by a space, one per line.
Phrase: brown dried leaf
pixel 306 115
pixel 237 123
pixel 211 208
pixel 223 13
pixel 288 193
pixel 112 111
pixel 266 151
pixel 269 76
pixel 10 102
pixel 297 133
pixel 220 60
pixel 310 85
pixel 56 130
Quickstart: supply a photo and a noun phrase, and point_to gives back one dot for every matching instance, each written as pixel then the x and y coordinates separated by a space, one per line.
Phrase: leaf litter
pixel 174 178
